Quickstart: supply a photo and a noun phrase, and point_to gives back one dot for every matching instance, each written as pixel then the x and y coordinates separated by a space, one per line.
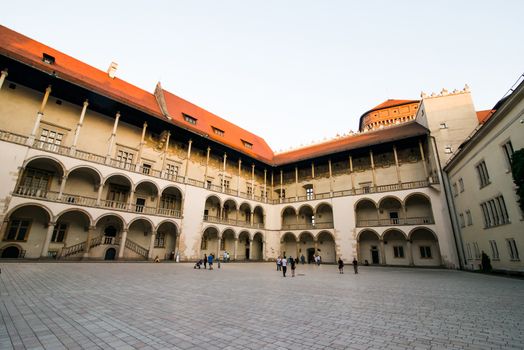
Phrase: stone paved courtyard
pixel 251 306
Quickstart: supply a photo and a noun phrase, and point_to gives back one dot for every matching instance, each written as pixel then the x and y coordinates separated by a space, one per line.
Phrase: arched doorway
pixel 307 246
pixel 288 244
pixel 11 252
pixel 110 254
pixel 326 247
pixel 425 247
pixel 258 247
pixel 369 247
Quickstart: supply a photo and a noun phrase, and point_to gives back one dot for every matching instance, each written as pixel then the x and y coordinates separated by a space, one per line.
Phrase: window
pixel 283 193
pixel 51 139
pixel 171 171
pixel 117 196
pixel 482 172
pixel 262 193
pixel 461 219
pixel 507 148
pixel 477 250
pixel 468 217
pixel 18 230
pixel 425 252
pixel 160 240
pixel 461 185
pixel 225 184
pixel 59 232
pixel 309 193
pixel 218 131
pixel 494 250
pixel 247 144
pixel 455 191
pixel 35 182
pixel 124 158
pixel 512 249
pixel 249 190
pixel 208 184
pixel 47 58
pixel 398 251
pixel 495 212
pixel 189 119
pixel 146 169
pixel 468 251
pixel 168 201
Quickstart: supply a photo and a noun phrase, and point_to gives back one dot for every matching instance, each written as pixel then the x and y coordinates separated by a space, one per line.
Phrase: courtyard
pixel 251 306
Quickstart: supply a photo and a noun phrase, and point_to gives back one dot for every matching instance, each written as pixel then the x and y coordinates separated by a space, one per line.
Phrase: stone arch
pixel 166 240
pixel 324 215
pixel 243 245
pixel 145 197
pixel 369 247
pixel 366 212
pixel 306 216
pixel 171 201
pixel 138 218
pixel 288 209
pixel 245 212
pixel 288 244
pixel 365 200
pixel 212 208
pixel 230 209
pixel 89 168
pixel 307 242
pixel 147 181
pixel 39 176
pixel 11 251
pixel 425 246
pixel 257 247
pixel 397 251
pixel 50 215
pixel 44 159
pixel 167 221
pixel 209 241
pixel 326 246
pixel 119 218
pixel 84 180
pixel 258 216
pixel 118 176
pixel 79 210
pixel 418 209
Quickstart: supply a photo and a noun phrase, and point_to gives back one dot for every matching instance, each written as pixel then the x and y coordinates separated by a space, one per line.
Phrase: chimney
pixel 112 70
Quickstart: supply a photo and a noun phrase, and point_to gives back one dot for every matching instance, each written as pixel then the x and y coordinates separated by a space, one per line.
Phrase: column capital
pixel 86 103
pixel 48 89
pixel 4 72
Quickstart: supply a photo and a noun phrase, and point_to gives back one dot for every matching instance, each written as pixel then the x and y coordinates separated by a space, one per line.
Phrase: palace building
pixel 96 168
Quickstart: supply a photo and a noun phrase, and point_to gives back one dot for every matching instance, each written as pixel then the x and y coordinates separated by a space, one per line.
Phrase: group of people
pixel 341 265
pixel 283 262
pixel 207 260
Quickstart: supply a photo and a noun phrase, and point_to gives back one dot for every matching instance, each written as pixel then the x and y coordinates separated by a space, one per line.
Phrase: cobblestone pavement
pixel 251 306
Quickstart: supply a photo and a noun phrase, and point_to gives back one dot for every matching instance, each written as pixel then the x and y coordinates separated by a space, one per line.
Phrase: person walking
pixel 210 261
pixel 279 263
pixel 340 265
pixel 284 265
pixel 293 266
pixel 205 262
pixel 355 265
pixel 302 259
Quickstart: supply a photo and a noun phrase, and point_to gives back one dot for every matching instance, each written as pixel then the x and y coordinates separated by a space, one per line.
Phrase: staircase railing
pixel 74 249
pixel 137 248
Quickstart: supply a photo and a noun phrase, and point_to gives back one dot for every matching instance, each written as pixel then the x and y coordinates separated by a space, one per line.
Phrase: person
pixel 366 263
pixel 486 262
pixel 355 265
pixel 210 261
pixel 225 256
pixel 289 260
pixel 205 262
pixel 340 265
pixel 172 255
pixel 157 259
pixel 293 266
pixel 302 259
pixel 296 260
pixel 284 265
pixel 279 263
pixel 198 264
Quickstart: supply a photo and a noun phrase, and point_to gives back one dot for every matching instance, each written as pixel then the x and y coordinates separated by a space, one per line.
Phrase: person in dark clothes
pixel 205 261
pixel 293 267
pixel 355 265
pixel 340 265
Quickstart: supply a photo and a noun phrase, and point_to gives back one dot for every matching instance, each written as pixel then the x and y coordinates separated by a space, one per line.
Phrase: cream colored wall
pixel 22 105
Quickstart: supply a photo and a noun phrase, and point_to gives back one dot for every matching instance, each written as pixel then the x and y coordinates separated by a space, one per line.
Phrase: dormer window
pixel 48 58
pixel 189 119
pixel 247 144
pixel 218 131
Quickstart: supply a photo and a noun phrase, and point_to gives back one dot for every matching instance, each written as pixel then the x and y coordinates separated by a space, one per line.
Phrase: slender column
pixel 272 186
pixel 188 159
pixel 130 201
pixel 219 240
pixel 3 75
pixel 151 245
pixel 236 249
pixel 224 172
pixel 122 244
pixel 372 167
pixel 164 155
pixel 99 195
pixel 252 218
pixel 423 158
pixel 239 174
pixel 79 127
pixel 296 183
pixel 250 257
pixel 142 143
pixel 112 138
pixel 48 236
pixel 330 178
pixel 281 184
pixel 312 170
pixel 382 253
pixel 409 253
pixel 90 233
pixel 39 115
pixel 62 187
pixel 207 165
pixel 316 246
pixel 351 173
pixel 396 164
pixel 252 181
pixel 298 248
pixel 265 186
pixel 264 254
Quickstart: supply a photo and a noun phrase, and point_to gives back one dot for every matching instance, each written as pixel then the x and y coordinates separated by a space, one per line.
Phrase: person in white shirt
pixel 284 266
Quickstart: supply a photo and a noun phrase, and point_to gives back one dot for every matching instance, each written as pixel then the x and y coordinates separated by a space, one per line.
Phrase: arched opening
pixel 171 202
pixel 324 216
pixel 258 247
pixel 245 214
pixel 145 198
pixel 228 242
pixel 41 177
pixel 390 211
pixel 289 218
pixel 307 247
pixel 139 237
pixel 70 229
pixel 110 254
pixel 116 192
pixel 27 226
pixel 82 186
pixel 425 247
pixel 418 210
pixel 230 212
pixel 288 245
pixel 165 241
pixel 243 246
pixel 212 209
pixel 326 247
pixel 306 217
pixel 110 228
pixel 369 248
pixel 366 213
pixel 209 243
pixel 258 217
pixel 396 248
pixel 11 252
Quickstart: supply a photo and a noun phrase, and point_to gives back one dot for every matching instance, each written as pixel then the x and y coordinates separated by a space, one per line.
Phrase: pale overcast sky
pixel 292 72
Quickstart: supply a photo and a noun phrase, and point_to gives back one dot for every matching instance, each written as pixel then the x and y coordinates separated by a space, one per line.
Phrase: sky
pixel 292 72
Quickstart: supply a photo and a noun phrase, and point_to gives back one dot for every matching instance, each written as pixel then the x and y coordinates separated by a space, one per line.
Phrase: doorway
pixel 310 255
pixel 247 253
pixel 140 204
pixel 374 255
pixel 393 217
pixel 110 254
pixel 11 252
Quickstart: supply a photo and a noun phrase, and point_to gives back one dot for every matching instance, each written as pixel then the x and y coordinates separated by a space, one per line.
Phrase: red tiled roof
pixel 233 134
pixel 483 116
pixel 29 51
pixel 391 103
pixel 356 141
